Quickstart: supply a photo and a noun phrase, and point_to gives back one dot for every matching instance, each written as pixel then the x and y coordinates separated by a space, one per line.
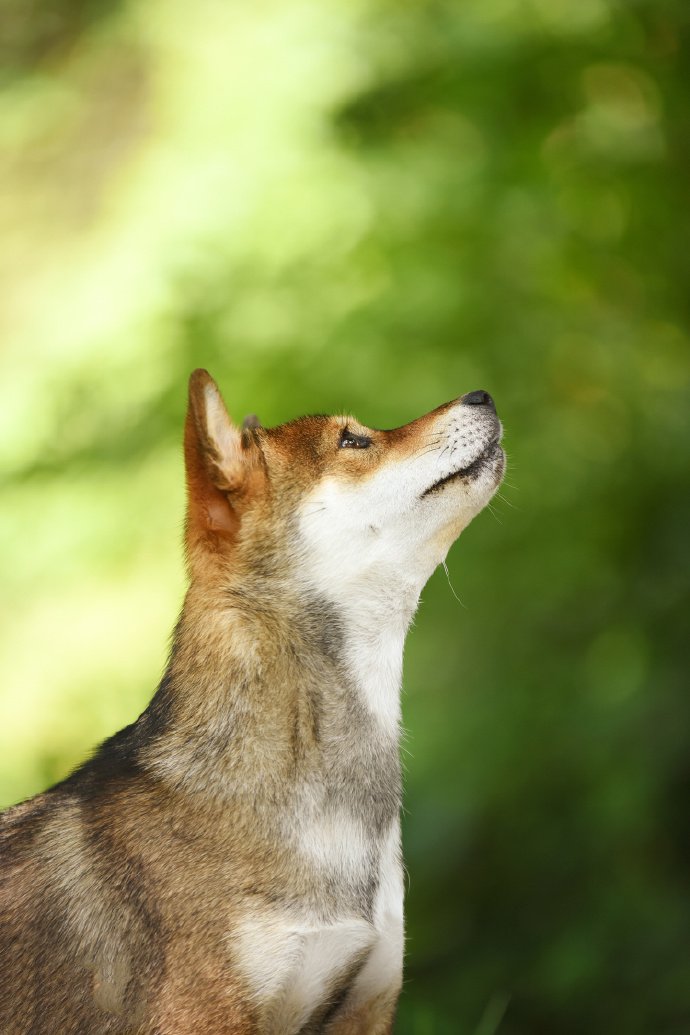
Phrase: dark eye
pixel 348 440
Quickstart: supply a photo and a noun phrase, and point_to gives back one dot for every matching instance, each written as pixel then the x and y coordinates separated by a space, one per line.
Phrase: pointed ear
pixel 214 460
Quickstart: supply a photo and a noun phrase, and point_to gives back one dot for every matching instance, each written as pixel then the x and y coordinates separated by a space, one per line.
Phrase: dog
pixel 230 862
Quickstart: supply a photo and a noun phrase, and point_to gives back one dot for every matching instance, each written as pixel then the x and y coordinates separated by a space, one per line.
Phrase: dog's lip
pixel 488 453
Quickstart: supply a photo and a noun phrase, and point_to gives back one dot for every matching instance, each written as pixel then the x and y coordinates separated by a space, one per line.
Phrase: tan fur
pixel 374 1018
pixel 131 894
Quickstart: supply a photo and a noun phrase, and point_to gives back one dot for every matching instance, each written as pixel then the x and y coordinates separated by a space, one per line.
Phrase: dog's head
pixel 330 503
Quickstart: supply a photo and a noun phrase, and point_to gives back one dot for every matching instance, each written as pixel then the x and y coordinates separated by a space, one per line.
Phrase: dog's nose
pixel 478 399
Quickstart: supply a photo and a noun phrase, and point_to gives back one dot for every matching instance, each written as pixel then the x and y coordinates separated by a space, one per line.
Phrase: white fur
pixel 335 842
pixel 374 653
pixel 291 966
pixel 382 971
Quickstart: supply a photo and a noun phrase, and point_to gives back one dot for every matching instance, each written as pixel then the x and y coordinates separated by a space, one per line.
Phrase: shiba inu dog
pixel 230 862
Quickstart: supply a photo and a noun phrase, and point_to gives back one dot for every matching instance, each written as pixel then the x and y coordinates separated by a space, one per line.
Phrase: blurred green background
pixel 376 207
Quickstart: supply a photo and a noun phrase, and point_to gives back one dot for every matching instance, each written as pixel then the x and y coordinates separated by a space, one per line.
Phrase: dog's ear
pixel 217 462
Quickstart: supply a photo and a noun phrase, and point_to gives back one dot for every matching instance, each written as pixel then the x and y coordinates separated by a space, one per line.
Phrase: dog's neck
pixel 286 677
pixel 375 618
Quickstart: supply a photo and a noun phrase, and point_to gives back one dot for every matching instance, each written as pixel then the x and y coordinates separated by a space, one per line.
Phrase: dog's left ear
pixel 217 462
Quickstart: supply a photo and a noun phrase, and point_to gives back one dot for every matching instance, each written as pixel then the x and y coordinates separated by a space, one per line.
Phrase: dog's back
pixel 230 862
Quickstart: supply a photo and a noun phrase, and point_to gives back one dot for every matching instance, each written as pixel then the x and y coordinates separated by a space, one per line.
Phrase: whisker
pixel 492 511
pixel 445 568
pixel 425 446
pixel 424 452
pixel 509 503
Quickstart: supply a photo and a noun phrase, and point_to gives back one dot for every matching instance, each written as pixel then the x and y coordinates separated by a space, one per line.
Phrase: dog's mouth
pixel 470 471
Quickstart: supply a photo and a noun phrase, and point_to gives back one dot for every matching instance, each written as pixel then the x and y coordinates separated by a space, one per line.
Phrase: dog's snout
pixel 478 399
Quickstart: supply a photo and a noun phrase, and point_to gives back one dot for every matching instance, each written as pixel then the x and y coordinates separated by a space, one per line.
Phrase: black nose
pixel 478 399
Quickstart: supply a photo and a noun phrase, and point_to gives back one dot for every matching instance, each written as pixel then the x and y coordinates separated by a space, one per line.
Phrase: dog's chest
pixel 338 935
pixel 296 963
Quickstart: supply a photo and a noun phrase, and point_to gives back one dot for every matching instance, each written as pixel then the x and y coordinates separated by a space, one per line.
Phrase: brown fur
pixel 122 887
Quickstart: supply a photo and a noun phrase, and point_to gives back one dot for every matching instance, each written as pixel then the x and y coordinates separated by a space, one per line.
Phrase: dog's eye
pixel 348 440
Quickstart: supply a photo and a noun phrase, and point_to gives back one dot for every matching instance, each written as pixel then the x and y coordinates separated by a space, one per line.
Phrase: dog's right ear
pixel 216 463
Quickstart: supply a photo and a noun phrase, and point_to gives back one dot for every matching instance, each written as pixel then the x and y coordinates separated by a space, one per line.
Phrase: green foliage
pixel 377 207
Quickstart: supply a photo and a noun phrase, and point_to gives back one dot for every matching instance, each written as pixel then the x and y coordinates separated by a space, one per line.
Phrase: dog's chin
pixel 496 465
pixel 485 479
pixel 487 467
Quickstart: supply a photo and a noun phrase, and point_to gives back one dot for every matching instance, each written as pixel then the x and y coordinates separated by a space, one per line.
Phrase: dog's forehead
pixel 297 451
pixel 301 433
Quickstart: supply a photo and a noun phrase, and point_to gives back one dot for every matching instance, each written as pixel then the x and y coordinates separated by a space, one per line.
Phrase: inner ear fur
pixel 215 460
